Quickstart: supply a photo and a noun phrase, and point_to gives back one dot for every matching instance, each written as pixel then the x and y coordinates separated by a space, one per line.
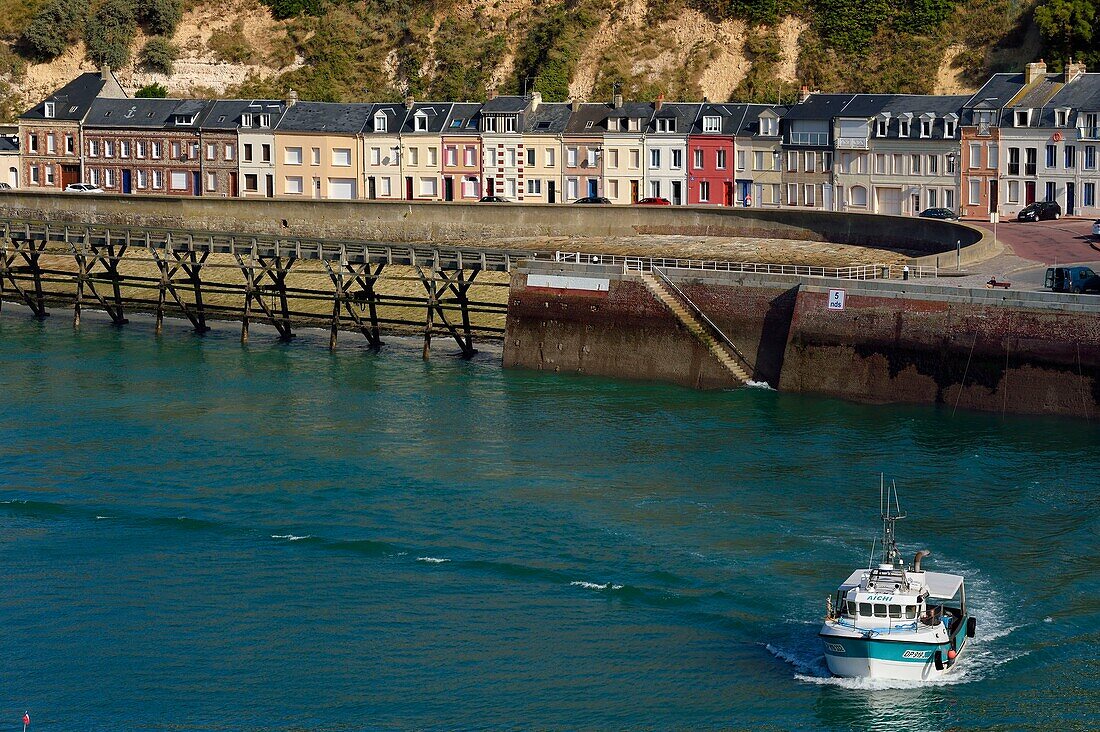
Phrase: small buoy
pixel 951 655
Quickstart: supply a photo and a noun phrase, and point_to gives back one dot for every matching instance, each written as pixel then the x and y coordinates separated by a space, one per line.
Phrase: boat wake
pixel 594 585
pixel 432 560
pixel 291 537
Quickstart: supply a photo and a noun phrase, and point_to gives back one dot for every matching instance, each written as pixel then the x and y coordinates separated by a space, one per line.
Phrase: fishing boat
pixel 892 621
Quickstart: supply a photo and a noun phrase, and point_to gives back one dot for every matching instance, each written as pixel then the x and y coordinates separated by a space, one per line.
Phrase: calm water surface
pixel 196 535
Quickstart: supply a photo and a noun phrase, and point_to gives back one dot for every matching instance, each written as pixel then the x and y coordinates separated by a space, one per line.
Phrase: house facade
pixel 624 150
pixel 9 160
pixel 462 154
pixel 50 133
pixel 583 151
pixel 761 142
pixel 256 145
pixel 503 154
pixel 711 157
pixel 807 146
pixel 318 150
pixel 422 150
pixel 666 150
pixel 383 158
pixel 542 148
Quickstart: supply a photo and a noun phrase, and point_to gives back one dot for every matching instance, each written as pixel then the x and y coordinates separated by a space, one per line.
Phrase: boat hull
pixel 855 656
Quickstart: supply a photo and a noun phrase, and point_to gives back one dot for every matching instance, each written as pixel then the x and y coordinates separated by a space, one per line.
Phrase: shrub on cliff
pixel 110 32
pixel 152 91
pixel 160 17
pixel 283 9
pixel 158 55
pixel 54 28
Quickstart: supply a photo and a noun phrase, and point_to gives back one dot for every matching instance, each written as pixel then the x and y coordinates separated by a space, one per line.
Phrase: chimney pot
pixel 617 101
pixel 1034 71
pixel 659 103
pixel 536 100
pixel 803 93
pixel 291 98
pixel 575 105
pixel 409 103
pixel 492 94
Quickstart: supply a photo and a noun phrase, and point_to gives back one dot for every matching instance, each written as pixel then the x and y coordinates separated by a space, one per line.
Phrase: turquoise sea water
pixel 196 535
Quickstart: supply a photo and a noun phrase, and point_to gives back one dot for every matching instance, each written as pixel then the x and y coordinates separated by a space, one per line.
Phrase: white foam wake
pixel 432 560
pixel 759 385
pixel 291 537
pixel 595 586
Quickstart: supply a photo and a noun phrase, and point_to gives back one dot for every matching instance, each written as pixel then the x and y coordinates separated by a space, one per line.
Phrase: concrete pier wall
pixel 401 221
pixel 893 342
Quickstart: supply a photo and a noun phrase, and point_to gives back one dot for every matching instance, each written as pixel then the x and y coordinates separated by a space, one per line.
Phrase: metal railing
pixel 647 264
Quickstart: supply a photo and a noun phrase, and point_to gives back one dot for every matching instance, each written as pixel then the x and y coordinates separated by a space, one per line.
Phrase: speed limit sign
pixel 836 299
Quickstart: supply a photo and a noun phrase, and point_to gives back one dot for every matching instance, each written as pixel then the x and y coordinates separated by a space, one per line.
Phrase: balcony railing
pixel 851 143
pixel 809 138
pixel 1029 169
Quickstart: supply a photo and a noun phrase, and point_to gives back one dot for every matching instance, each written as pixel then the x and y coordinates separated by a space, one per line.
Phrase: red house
pixel 711 159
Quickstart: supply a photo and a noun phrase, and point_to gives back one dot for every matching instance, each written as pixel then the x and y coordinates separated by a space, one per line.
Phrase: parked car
pixel 493 199
pixel 5 187
pixel 83 188
pixel 945 214
pixel 1096 228
pixel 593 199
pixel 653 201
pixel 1072 279
pixel 1040 211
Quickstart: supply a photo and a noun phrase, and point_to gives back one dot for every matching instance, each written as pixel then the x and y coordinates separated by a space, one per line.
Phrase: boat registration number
pixel 916 654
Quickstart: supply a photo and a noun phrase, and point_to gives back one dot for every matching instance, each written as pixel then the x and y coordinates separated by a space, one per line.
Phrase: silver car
pixel 83 188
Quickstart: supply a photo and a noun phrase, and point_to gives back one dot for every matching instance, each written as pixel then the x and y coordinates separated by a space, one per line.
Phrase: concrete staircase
pixel 697 327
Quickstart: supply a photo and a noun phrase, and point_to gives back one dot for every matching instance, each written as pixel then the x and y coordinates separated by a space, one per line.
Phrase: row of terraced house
pixel 1021 138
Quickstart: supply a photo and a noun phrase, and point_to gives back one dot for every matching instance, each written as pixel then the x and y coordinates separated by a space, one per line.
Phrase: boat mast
pixel 890 514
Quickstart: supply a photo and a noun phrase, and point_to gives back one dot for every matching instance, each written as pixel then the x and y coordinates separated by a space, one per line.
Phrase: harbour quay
pixel 598 291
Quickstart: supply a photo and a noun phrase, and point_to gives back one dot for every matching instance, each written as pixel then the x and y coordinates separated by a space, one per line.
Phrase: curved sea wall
pixel 404 221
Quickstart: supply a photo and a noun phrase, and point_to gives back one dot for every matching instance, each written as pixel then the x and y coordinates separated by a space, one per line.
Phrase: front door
pixel 1071 199
pixel 408 188
pixel 993 200
pixel 270 186
pixel 677 195
pixel 551 192
pixel 448 189
pixel 633 191
pixel 196 182
pixel 127 181
pixel 69 174
pixel 593 188
pixel 233 190
pixel 490 187
pixel 372 188
pixel 1029 192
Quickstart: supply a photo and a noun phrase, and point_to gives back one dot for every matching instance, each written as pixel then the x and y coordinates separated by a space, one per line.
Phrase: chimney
pixel 1035 71
pixel 617 101
pixel 536 100
pixel 803 93
pixel 105 72
pixel 575 105
pixel 659 103
pixel 409 103
pixel 492 94
pixel 1073 70
pixel 291 98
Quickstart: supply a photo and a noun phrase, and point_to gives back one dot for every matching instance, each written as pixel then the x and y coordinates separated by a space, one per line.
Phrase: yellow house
pixel 318 152
pixel 542 150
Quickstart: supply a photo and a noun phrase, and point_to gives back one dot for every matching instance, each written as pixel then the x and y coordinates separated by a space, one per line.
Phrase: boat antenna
pixel 890 514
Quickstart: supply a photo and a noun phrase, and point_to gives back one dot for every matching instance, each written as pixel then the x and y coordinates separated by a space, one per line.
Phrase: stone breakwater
pixel 1017 352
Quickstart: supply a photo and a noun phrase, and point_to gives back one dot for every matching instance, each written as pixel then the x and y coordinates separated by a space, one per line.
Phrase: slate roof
pixel 549 118
pixel 71 100
pixel 133 113
pixel 590 119
pixel 1082 93
pixel 919 105
pixel 437 114
pixel 633 110
pixel 395 115
pixel 685 115
pixel 225 114
pixel 735 118
pixel 819 106
pixel 325 117
pixel 463 119
pixel 504 105
pixel 9 144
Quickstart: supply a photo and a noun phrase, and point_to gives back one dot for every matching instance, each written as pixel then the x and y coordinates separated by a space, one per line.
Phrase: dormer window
pixel 1061 118
pixel 380 122
pixel 881 125
pixel 905 125
pixel 1022 118
pixel 183 120
pixel 949 123
pixel 489 124
pixel 926 122
pixel 712 124
pixel 50 110
pixel 246 119
pixel 666 124
pixel 420 122
pixel 509 124
pixel 265 120
pixel 769 126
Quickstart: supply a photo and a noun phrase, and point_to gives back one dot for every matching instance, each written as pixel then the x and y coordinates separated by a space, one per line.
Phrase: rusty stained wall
pixel 930 351
pixel 628 333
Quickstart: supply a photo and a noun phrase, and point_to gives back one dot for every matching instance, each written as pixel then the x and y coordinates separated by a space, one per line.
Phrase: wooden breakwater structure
pixel 286 282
